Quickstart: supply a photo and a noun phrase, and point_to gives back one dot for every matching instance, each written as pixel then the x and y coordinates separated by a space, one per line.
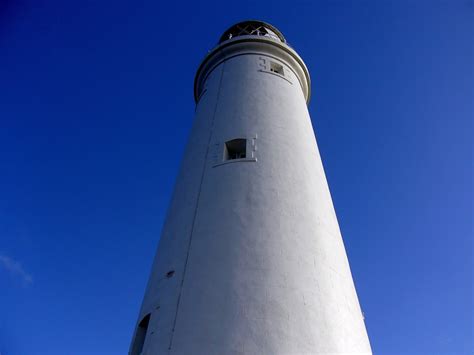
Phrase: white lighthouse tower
pixel 251 259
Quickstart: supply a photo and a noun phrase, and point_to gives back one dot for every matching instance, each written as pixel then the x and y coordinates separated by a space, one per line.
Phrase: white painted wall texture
pixel 258 259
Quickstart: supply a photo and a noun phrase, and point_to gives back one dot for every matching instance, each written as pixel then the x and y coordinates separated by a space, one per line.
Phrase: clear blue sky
pixel 96 105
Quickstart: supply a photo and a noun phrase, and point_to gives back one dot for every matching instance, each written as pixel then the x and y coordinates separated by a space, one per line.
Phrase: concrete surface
pixel 258 259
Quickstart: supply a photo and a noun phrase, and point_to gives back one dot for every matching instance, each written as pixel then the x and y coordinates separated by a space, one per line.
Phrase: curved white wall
pixel 258 259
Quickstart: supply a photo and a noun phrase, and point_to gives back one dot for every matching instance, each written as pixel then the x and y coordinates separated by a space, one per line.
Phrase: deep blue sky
pixel 95 108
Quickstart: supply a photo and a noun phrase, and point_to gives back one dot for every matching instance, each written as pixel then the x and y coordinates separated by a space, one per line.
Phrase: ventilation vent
pixel 235 149
pixel 140 336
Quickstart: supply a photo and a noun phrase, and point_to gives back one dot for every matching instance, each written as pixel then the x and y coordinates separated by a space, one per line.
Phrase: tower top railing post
pixel 252 28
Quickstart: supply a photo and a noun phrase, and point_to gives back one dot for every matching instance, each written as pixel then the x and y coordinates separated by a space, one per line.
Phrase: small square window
pixel 276 68
pixel 235 149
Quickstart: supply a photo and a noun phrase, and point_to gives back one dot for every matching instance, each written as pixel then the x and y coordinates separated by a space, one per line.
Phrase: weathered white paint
pixel 260 265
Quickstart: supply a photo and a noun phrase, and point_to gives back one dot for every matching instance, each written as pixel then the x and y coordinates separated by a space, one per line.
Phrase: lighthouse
pixel 251 259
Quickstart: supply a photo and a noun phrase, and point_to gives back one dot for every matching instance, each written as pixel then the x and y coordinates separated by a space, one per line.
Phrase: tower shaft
pixel 251 259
